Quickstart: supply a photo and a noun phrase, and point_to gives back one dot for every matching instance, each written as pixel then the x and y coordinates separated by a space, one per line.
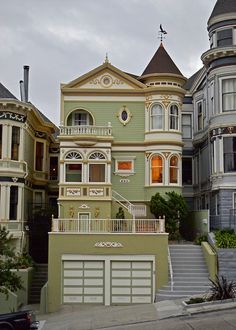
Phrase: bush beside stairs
pixel 40 277
pixel 190 274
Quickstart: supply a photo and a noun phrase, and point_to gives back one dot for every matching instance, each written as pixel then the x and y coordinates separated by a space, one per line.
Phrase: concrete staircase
pixel 40 277
pixel 190 274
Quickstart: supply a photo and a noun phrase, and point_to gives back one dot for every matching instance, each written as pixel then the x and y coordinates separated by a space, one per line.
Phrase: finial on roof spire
pixel 106 59
pixel 162 33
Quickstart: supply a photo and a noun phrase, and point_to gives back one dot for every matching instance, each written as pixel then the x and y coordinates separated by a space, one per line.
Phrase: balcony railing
pixel 87 130
pixel 12 225
pixel 107 226
pixel 12 165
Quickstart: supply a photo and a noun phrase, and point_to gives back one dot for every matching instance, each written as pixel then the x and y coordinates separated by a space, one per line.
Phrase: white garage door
pixel 131 282
pixel 108 279
pixel 83 282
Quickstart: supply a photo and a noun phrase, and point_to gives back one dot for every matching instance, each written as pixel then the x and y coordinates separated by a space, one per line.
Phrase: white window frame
pixel 221 93
pixel 163 170
pixel 162 116
pixel 44 155
pixel 174 117
pixel 82 171
pixel 191 124
pixel 124 159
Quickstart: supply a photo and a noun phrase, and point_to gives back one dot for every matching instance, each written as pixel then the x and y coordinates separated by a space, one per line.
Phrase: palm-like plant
pixel 221 289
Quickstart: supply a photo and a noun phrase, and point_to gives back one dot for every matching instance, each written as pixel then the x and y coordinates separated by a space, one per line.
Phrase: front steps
pixel 40 277
pixel 190 273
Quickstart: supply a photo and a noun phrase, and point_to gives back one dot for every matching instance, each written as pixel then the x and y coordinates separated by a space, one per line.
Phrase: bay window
pixel 225 38
pixel 156 169
pixel 15 143
pixel 74 172
pixel 229 94
pixel 156 117
pixel 229 154
pixel 174 117
pixel 187 126
pixel 97 172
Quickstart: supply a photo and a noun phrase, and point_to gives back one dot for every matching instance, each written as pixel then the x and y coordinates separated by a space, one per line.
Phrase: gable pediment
pixel 105 77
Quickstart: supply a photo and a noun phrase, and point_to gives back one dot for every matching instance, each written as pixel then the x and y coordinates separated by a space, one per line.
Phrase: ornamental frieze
pixel 108 245
pixel 222 131
pixel 12 116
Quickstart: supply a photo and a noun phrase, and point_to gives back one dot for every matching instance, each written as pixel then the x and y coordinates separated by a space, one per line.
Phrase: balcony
pixel 108 226
pixel 12 166
pixel 86 130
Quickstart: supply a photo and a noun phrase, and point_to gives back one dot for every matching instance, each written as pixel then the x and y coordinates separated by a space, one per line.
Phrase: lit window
pixel 156 117
pixel 15 143
pixel 174 117
pixel 124 165
pixel 229 95
pixel 157 169
pixel 187 126
pixel 53 168
pixel 174 169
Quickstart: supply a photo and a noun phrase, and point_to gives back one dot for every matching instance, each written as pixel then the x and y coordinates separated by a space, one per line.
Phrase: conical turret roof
pixel 161 63
pixel 223 7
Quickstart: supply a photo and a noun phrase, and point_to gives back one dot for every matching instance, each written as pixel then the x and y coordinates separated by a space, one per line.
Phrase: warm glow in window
pixel 174 169
pixel 124 166
pixel 157 169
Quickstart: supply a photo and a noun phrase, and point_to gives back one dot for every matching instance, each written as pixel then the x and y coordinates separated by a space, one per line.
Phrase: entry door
pixel 84 223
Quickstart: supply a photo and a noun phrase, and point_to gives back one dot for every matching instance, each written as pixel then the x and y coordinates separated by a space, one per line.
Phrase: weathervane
pixel 162 33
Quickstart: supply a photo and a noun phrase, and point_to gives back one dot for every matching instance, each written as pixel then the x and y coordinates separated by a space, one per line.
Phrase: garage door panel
pixel 120 265
pixel 121 300
pixel 141 265
pixel 121 273
pixel 93 264
pixel 73 264
pixel 141 273
pixel 73 299
pixel 93 273
pixel 93 281
pixel 119 291
pixel 141 300
pixel 141 282
pixel 73 281
pixel 73 273
pixel 73 290
pixel 93 290
pixel 121 282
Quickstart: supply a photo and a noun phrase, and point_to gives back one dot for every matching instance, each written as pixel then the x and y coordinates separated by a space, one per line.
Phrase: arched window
pixel 97 156
pixel 174 117
pixel 156 169
pixel 80 118
pixel 174 169
pixel 73 155
pixel 156 117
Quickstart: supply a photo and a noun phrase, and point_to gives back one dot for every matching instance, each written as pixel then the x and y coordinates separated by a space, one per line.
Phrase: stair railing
pixel 171 271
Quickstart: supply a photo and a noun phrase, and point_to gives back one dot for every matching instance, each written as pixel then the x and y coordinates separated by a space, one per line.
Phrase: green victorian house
pixel 120 142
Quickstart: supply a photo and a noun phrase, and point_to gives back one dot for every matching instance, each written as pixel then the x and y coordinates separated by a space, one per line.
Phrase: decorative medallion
pixel 96 192
pixel 166 100
pixel 148 154
pixel 166 154
pixel 148 102
pixel 124 181
pixel 108 245
pixel 84 206
pixel 124 115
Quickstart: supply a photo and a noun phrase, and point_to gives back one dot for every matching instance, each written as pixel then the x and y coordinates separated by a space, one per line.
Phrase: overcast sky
pixel 63 39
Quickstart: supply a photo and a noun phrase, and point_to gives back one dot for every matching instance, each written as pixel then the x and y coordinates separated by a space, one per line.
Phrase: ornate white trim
pixel 108 245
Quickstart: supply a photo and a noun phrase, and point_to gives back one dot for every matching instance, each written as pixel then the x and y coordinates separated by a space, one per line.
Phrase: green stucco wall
pixel 105 112
pixel 133 244
pixel 211 260
pixel 98 209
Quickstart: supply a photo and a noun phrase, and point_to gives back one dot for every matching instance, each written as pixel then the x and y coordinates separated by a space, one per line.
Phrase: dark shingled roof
pixel 161 63
pixel 5 93
pixel 223 7
pixel 189 83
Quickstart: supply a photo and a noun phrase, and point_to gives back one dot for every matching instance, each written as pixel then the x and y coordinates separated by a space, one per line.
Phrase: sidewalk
pixel 87 317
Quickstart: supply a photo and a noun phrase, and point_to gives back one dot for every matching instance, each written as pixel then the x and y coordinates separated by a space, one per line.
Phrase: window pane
pixel 15 143
pixel 186 126
pixel 13 202
pixel 73 172
pixel 156 169
pixel 97 173
pixel 229 95
pixel 187 171
pixel 224 38
pixel 174 119
pixel 39 156
pixel 157 117
pixel 124 166
pixel 230 154
pixel 0 141
pixel 53 168
pixel 174 169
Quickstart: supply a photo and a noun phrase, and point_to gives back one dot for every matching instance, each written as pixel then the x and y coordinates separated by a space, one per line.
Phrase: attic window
pixel 225 38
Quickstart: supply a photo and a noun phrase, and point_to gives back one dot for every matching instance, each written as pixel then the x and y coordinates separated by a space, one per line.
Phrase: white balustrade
pixel 86 130
pixel 139 226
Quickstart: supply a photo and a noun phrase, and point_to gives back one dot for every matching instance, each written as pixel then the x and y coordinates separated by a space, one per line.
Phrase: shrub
pixel 221 289
pixel 225 238
pixel 200 239
pixel 195 300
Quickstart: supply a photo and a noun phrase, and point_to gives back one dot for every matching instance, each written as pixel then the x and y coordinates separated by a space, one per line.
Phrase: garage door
pixel 131 282
pixel 83 281
pixel 108 279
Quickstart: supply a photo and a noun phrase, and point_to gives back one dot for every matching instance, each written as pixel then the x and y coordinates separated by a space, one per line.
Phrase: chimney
pixel 22 91
pixel 26 82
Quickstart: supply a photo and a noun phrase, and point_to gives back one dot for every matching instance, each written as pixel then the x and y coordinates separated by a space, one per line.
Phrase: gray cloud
pixel 61 40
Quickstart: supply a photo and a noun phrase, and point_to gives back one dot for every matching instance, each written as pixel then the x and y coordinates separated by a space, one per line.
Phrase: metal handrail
pixel 171 271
